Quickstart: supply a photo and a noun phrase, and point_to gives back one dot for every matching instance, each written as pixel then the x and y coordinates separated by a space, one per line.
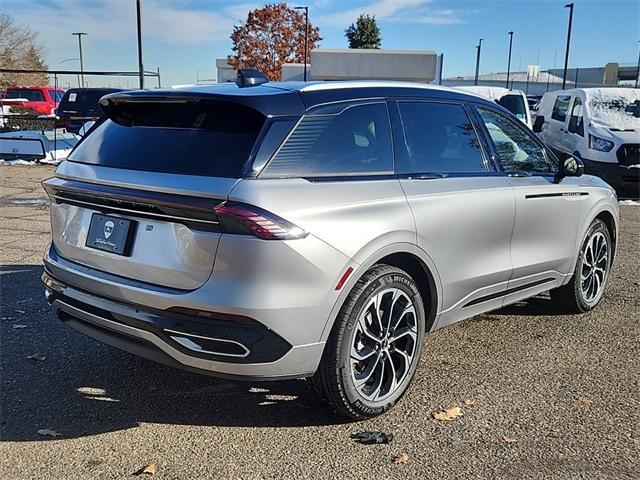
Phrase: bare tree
pixel 19 49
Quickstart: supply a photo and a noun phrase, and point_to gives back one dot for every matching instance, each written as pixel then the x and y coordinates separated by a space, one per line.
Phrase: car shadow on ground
pixel 79 387
pixel 535 306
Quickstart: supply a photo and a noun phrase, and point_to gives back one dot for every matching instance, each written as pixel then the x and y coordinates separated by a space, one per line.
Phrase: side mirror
pixel 537 125
pixel 571 167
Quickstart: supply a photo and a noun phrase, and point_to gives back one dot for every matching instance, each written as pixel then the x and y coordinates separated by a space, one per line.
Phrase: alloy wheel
pixel 595 262
pixel 383 345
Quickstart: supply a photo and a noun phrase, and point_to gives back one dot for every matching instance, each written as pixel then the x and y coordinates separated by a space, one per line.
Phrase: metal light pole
pixel 478 47
pixel 139 23
pixel 638 68
pixel 79 35
pixel 69 60
pixel 509 62
pixel 566 53
pixel 306 37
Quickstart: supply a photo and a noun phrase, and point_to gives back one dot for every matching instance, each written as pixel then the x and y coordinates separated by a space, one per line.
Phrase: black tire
pixel 333 381
pixel 572 296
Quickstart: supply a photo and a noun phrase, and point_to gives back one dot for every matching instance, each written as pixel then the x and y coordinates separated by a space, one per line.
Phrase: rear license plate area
pixel 110 234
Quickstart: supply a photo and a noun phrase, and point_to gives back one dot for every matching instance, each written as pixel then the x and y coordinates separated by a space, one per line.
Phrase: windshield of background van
pixel 205 138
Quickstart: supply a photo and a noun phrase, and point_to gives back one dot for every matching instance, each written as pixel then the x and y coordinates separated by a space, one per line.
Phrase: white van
pixel 601 126
pixel 513 100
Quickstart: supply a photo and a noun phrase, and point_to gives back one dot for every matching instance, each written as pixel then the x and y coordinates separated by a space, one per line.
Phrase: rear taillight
pixel 240 218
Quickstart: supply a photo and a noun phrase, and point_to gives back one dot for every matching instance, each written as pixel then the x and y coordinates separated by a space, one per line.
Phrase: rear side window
pixel 515 104
pixel 439 138
pixel 356 140
pixel 26 93
pixel 203 138
pixel 560 108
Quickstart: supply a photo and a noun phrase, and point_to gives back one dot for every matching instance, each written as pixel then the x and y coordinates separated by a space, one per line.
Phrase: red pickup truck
pixel 42 99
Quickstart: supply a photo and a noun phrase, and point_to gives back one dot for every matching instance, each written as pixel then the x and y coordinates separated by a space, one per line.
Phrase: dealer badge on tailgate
pixel 111 234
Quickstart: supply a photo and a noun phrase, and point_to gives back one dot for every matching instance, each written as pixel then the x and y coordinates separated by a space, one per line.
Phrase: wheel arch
pixel 406 255
pixel 609 220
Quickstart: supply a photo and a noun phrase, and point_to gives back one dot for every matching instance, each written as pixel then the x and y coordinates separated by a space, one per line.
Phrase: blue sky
pixel 184 37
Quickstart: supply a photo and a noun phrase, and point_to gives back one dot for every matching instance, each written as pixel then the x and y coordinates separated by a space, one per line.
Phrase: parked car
pixel 42 99
pixel 80 105
pixel 601 126
pixel 321 230
pixel 513 100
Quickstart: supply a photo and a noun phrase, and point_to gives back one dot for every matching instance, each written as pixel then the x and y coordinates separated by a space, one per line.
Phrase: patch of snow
pixel 31 201
pixel 614 107
pixel 628 202
pixel 15 162
pixel 492 93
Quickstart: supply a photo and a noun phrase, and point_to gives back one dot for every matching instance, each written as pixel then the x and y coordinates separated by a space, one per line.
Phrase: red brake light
pixel 240 218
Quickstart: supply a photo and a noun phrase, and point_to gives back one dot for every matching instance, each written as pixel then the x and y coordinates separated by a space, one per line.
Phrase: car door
pixel 463 209
pixel 543 246
pixel 575 128
pixel 37 100
pixel 556 129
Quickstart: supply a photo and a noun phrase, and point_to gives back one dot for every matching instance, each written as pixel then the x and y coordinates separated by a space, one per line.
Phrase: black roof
pixel 293 98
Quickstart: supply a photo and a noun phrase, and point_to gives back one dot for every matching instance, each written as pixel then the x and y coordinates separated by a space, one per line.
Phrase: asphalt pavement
pixel 543 395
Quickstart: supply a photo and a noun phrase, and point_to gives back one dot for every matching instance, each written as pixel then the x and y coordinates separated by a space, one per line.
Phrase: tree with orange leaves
pixel 271 36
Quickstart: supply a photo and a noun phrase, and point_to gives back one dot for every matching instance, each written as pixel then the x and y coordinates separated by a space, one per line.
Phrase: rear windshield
pixel 83 102
pixel 204 138
pixel 515 104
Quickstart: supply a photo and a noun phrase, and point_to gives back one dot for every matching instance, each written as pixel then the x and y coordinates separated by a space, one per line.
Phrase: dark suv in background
pixel 80 105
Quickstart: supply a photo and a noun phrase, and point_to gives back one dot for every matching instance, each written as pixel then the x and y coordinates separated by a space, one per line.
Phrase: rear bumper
pixel 626 181
pixel 245 352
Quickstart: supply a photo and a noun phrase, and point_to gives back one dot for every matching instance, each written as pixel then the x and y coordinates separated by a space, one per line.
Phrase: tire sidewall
pixel 382 282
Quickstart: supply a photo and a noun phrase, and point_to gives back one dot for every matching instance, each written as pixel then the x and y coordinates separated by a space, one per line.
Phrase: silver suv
pixel 318 230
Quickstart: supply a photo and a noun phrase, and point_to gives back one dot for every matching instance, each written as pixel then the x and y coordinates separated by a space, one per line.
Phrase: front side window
pixel 439 138
pixel 576 124
pixel 560 108
pixel 356 140
pixel 516 149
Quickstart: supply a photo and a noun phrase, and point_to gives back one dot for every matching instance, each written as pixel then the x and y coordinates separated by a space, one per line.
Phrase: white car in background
pixel 601 126
pixel 513 100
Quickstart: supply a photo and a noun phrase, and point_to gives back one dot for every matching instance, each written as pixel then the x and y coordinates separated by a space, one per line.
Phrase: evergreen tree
pixel 365 33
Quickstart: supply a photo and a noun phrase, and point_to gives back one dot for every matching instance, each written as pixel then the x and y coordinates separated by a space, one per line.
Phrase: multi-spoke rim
pixel 594 266
pixel 383 344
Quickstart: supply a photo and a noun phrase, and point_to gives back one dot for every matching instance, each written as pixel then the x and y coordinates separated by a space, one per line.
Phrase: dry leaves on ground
pixel 585 400
pixel 400 459
pixel 48 432
pixel 150 469
pixel 19 325
pixel 36 356
pixel 508 439
pixel 469 403
pixel 448 415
